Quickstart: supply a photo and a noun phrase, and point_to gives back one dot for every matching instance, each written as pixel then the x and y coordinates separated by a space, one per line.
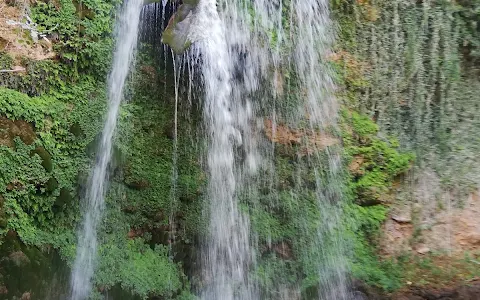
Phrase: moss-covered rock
pixel 9 129
pixel 177 33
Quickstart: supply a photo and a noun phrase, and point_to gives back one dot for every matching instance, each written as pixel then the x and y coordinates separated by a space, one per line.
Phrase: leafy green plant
pixel 84 32
pixel 374 162
pixel 140 269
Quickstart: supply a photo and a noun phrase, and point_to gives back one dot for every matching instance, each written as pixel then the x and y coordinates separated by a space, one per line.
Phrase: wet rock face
pixel 456 230
pixel 309 141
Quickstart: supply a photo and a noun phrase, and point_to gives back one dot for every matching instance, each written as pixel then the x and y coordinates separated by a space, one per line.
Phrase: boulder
pixel 177 34
pixel 402 219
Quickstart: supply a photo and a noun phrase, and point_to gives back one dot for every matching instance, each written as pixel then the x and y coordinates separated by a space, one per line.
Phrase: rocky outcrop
pixel 30 273
pixel 177 33
pixel 15 38
pixel 419 226
pixel 464 292
pixel 309 141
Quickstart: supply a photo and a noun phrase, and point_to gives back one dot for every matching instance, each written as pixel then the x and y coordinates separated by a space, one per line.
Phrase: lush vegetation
pixel 151 220
pixel 374 163
pixel 409 66
pixel 51 117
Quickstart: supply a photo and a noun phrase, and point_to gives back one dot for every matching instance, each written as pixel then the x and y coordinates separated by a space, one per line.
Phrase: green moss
pixel 144 203
pixel 35 176
pixel 85 43
pixel 404 74
pixel 41 183
pixel 6 62
pixel 139 269
pixel 373 161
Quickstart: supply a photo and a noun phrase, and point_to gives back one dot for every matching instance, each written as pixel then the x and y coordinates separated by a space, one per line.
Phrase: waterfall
pixel 126 41
pixel 243 48
pixel 313 38
pixel 228 250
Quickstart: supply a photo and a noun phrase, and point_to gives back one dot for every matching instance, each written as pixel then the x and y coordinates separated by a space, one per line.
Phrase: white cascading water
pixel 313 37
pixel 241 54
pixel 228 253
pixel 126 34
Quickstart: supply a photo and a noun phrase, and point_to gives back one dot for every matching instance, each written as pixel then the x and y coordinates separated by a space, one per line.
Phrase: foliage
pixel 47 76
pixel 416 61
pixel 84 31
pixel 267 274
pixel 296 227
pixel 410 66
pixel 81 33
pixel 375 161
pixel 15 105
pixel 147 144
pixel 366 265
pixel 400 63
pixel 140 269
pixel 150 219
pixel 40 179
pixel 63 101
pixel 468 13
pixel 438 269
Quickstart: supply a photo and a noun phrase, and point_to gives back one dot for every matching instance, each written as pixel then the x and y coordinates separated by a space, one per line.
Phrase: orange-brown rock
pixel 150 74
pixel 14 185
pixel 16 41
pixel 354 67
pixel 454 230
pixel 26 296
pixel 356 165
pixel 308 140
pixel 282 134
pixel 278 83
pixel 133 233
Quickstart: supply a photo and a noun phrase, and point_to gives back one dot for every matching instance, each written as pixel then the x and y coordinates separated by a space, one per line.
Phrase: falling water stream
pixel 239 49
pixel 126 42
pixel 228 250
